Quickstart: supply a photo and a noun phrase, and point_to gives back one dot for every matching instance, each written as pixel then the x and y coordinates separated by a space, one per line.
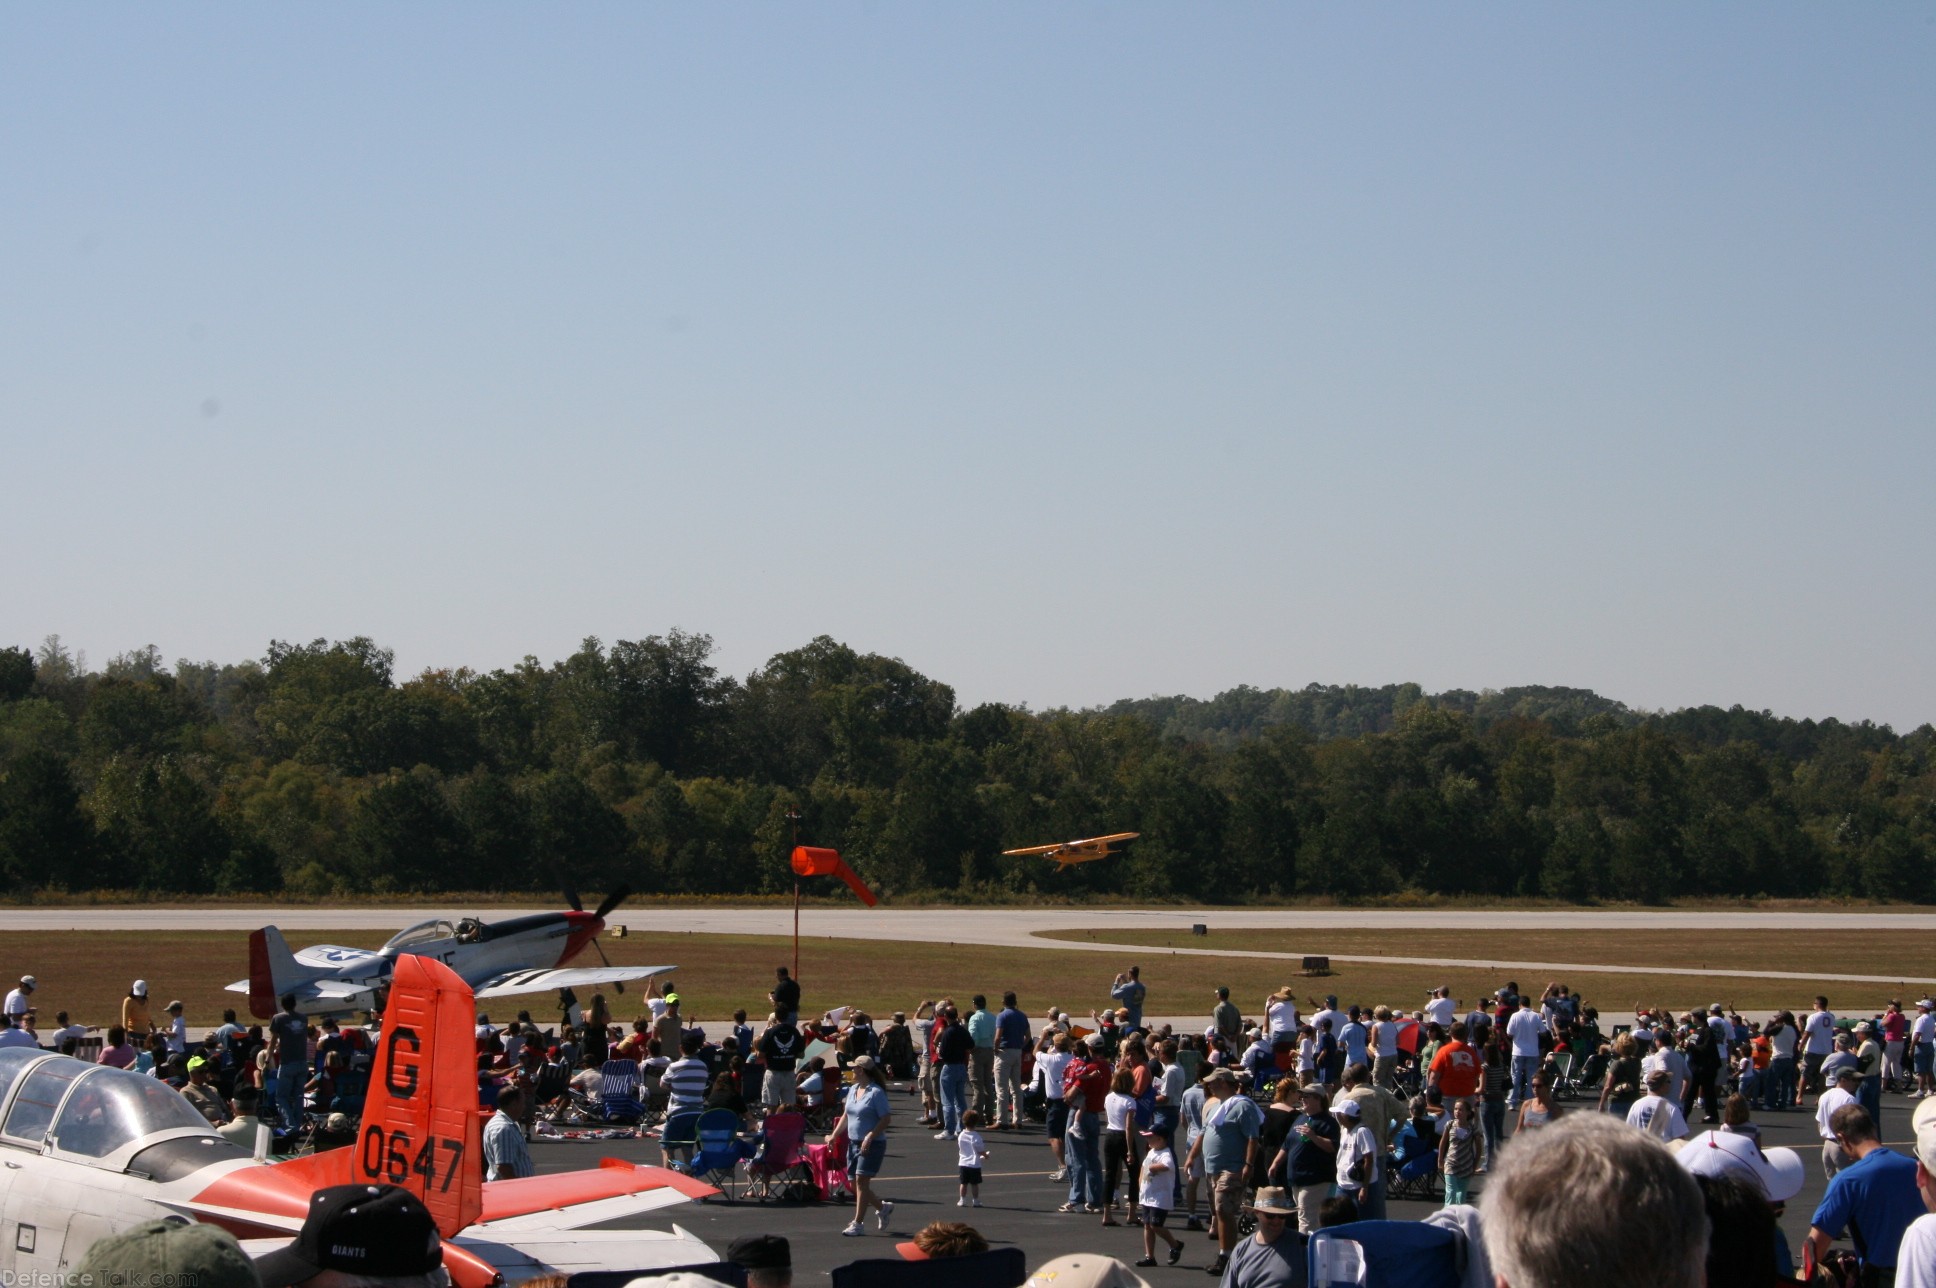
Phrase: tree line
pixel 313 770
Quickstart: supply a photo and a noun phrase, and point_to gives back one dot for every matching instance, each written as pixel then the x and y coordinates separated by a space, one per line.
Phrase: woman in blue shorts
pixel 865 1122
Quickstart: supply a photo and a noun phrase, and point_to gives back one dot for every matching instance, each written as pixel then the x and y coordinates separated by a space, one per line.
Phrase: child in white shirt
pixel 969 1152
pixel 1158 1190
pixel 1357 1151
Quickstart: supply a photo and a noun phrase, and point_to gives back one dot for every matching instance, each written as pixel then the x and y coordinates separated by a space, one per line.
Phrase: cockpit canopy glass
pixel 112 1107
pixel 422 932
pixel 39 1096
pixel 12 1061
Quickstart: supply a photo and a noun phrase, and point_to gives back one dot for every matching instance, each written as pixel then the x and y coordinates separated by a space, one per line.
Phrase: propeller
pixel 572 900
pixel 612 900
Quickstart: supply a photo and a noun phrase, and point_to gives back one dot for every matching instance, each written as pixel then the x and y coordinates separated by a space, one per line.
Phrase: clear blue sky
pixel 1068 352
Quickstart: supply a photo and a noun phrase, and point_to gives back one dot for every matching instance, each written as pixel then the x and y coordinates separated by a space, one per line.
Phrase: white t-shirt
pixel 1282 1018
pixel 1924 1029
pixel 1675 1065
pixel 1353 1144
pixel 1336 1018
pixel 1159 1178
pixel 1832 1099
pixel 1117 1111
pixel 1916 1257
pixel 1643 1113
pixel 1820 1028
pixel 1439 1011
pixel 1175 1083
pixel 1524 1029
pixel 1307 1055
pixel 178 1035
pixel 1783 1043
pixel 969 1148
pixel 17 1003
pixel 1384 1036
pixel 1048 1067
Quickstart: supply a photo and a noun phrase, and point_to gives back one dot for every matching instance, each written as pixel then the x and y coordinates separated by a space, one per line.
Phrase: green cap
pixel 159 1252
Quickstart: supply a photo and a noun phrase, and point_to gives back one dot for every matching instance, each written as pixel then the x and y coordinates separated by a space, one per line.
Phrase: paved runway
pixel 1022 927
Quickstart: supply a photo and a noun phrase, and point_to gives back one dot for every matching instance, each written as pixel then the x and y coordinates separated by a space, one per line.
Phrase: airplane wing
pixel 1033 849
pixel 353 995
pixel 543 981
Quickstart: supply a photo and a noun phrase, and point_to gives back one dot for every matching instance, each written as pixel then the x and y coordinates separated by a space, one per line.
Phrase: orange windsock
pixel 812 861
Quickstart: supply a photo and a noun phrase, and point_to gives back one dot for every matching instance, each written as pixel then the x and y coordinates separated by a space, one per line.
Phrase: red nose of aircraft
pixel 584 928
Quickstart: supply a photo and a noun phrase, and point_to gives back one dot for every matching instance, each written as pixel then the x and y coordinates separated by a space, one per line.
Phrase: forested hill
pixel 315 770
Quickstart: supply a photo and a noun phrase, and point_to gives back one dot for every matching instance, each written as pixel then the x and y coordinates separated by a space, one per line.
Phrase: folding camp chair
pixel 1412 1172
pixel 679 1132
pixel 1385 1254
pixel 719 1151
pixel 828 1163
pixel 618 1092
pixel 780 1159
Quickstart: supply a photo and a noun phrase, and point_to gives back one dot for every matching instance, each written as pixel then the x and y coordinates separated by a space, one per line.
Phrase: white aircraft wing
pixel 321 990
pixel 543 981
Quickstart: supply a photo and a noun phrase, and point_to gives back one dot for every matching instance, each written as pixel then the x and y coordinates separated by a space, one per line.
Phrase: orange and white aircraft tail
pixel 421 1126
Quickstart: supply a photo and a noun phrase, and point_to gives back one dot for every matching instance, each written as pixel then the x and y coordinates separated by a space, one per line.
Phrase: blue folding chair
pixel 1392 1254
pixel 618 1092
pixel 719 1149
pixel 680 1132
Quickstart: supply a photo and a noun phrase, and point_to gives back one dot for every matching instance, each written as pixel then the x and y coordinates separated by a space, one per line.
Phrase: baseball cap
pixel 1922 1124
pixel 139 988
pixel 197 1062
pixel 1094 1039
pixel 175 1005
pixel 161 1252
pixel 373 1231
pixel 671 998
pixel 1221 1075
pixel 761 1252
pixel 1776 1172
pixel 28 981
pixel 1346 1109
pixel 1085 1270
pixel 1927 1005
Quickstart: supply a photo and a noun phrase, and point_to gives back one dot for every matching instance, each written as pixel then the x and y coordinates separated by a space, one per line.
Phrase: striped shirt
pixel 686 1082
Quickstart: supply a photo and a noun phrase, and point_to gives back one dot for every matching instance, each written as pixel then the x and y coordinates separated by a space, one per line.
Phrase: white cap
pixel 1927 1005
pixel 1923 1124
pixel 1085 1270
pixel 1346 1109
pixel 1777 1172
pixel 140 988
pixel 28 981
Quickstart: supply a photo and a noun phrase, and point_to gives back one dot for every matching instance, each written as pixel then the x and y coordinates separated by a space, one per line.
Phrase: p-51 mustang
pixel 497 959
pixel 87 1150
pixel 1095 847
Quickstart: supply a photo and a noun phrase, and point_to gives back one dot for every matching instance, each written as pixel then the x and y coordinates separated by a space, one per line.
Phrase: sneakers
pixel 1217 1267
pixel 1059 1174
pixel 881 1213
pixel 1176 1253
pixel 942 1135
pixel 961 1202
pixel 974 1202
pixel 854 1230
pixel 1144 1261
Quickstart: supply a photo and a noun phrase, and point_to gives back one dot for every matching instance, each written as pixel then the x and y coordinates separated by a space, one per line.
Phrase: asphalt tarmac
pixel 1019 1200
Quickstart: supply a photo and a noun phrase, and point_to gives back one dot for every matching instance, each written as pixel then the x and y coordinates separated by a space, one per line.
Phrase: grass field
pixel 1899 953
pixel 86 973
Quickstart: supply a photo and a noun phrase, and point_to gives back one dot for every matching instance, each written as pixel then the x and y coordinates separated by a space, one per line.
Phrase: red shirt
pixel 1458 1070
pixel 1090 1078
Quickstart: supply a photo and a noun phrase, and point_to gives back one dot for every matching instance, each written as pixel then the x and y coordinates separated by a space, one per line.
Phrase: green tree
pixel 45 838
pixel 16 674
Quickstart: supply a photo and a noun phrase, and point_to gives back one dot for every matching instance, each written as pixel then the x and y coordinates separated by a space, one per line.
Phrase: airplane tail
pixel 422 1129
pixel 273 971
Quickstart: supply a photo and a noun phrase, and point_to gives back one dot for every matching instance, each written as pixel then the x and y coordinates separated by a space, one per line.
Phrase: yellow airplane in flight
pixel 1065 853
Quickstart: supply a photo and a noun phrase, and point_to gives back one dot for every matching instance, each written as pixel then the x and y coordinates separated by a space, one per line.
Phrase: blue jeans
pixel 1492 1116
pixel 954 1097
pixel 1084 1154
pixel 1524 1067
pixel 1778 1087
pixel 289 1091
pixel 1869 1096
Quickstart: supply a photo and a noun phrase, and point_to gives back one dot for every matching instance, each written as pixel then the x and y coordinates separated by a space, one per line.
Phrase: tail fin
pixel 421 1125
pixel 272 971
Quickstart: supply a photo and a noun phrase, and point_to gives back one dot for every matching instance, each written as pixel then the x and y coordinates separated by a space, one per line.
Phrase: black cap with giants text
pixel 375 1231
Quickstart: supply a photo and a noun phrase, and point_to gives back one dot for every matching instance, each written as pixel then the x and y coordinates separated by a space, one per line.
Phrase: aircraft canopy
pixel 421 933
pixel 90 1110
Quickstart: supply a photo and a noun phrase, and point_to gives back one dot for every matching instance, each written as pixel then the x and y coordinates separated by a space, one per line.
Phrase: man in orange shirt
pixel 1456 1071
